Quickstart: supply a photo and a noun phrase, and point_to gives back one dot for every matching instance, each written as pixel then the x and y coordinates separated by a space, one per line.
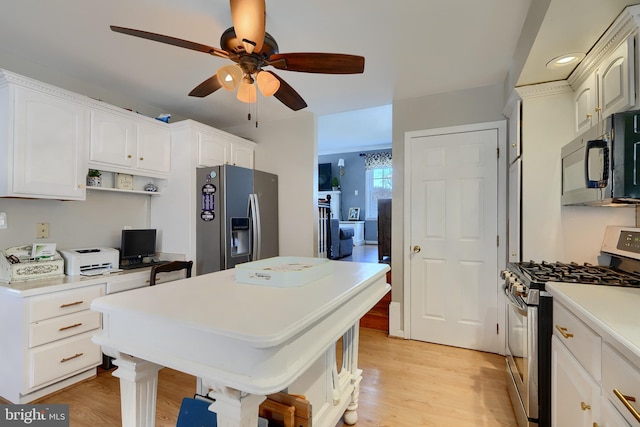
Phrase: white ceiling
pixel 412 48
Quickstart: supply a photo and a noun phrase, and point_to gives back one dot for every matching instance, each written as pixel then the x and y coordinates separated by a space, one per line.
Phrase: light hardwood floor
pixel 405 384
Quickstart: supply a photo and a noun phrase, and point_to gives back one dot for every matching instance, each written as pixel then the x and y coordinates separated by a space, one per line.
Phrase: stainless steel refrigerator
pixel 237 217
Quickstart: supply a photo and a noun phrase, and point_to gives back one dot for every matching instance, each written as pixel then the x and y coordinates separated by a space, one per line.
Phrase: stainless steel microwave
pixel 601 168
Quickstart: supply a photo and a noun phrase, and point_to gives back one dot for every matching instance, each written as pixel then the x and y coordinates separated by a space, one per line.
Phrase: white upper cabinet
pixel 616 88
pixel 113 139
pixel 42 142
pixel 605 81
pixel 242 154
pixel 216 147
pixel 122 142
pixel 586 114
pixel 212 150
pixel 154 148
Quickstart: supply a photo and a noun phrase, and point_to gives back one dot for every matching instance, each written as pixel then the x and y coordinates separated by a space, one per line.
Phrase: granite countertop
pixel 611 311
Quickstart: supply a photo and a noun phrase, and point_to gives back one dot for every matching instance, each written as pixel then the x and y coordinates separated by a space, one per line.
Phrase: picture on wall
pixel 354 214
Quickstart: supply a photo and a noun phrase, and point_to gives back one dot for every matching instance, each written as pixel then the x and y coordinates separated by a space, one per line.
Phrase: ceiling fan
pixel 251 49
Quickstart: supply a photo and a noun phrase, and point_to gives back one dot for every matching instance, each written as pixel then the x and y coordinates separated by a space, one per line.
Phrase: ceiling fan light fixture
pixel 247 92
pixel 230 76
pixel 267 83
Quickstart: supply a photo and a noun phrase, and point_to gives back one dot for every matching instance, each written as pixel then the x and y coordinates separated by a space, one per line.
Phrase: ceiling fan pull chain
pixel 257 110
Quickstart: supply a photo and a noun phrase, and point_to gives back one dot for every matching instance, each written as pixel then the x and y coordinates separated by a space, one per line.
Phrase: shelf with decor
pixel 100 180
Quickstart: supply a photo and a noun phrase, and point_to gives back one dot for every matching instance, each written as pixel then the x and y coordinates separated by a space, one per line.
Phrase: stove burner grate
pixel 578 273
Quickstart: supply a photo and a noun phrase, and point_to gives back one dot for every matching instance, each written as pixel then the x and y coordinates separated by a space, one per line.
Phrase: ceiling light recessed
pixel 565 60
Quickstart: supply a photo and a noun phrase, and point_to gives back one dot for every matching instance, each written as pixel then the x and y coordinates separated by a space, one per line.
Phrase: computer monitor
pixel 137 244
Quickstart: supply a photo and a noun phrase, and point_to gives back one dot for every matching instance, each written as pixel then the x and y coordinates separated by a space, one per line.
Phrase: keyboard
pixel 141 265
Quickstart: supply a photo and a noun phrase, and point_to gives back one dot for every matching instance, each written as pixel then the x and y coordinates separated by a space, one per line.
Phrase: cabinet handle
pixel 71 304
pixel 584 406
pixel 75 356
pixel 64 328
pixel 564 332
pixel 625 401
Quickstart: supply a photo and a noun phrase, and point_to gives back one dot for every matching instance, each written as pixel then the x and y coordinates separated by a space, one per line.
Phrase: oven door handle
pixel 518 305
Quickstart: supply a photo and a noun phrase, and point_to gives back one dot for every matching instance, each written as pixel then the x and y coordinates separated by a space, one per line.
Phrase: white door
pixel 452 237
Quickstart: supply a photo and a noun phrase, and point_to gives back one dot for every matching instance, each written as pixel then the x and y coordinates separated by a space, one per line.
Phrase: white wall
pixel 477 105
pixel 550 231
pixel 94 222
pixel 288 148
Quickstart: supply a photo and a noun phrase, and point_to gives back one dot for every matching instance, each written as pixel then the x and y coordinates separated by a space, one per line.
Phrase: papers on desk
pixel 99 271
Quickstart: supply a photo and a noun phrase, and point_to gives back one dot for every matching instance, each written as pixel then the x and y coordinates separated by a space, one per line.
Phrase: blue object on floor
pixel 195 413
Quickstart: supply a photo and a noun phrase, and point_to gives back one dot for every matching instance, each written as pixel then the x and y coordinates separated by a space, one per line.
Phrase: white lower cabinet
pixel 576 396
pixel 46 341
pixel 584 373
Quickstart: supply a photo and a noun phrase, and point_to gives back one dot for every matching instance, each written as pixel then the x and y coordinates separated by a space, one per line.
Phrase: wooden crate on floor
pixel 286 410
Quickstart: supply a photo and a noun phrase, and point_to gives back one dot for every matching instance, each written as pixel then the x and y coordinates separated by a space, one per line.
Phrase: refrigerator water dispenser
pixel 240 237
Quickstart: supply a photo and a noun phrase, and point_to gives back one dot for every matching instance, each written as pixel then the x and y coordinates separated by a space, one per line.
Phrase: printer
pixel 90 261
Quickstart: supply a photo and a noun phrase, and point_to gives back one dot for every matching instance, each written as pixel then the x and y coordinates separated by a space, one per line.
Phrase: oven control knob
pixel 519 289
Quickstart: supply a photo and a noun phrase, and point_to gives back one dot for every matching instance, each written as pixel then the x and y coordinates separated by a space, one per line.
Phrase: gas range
pixel 534 275
pixel 530 316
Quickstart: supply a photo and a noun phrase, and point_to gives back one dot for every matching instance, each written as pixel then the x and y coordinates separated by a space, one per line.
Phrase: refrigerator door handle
pixel 257 228
pixel 254 214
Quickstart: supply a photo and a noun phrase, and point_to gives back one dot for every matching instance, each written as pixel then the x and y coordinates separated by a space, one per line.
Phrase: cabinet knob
pixel 584 406
pixel 589 116
pixel 141 158
pixel 416 249
pixel 129 156
pixel 513 145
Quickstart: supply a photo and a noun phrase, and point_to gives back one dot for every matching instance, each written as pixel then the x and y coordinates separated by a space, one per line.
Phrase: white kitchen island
pixel 244 341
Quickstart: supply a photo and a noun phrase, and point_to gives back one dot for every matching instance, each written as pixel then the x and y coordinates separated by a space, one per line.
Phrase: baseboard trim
pixel 395 320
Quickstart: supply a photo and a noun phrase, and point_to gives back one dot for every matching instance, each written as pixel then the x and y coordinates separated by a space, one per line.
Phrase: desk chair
pixel 169 266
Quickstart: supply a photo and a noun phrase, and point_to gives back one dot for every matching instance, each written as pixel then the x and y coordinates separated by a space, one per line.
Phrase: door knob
pixel 416 249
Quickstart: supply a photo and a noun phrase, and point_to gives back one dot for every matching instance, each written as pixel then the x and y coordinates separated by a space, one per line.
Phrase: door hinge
pixel 497 329
pixel 498 241
pixel 498 152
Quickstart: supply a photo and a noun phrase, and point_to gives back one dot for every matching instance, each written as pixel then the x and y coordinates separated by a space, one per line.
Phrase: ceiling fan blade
pixel 248 18
pixel 207 87
pixel 324 63
pixel 288 95
pixel 172 41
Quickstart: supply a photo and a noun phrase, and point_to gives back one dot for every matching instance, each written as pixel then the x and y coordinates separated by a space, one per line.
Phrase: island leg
pixel 233 408
pixel 138 390
pixel 350 364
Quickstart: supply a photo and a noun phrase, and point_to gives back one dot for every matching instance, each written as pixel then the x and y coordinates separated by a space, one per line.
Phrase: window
pixel 379 181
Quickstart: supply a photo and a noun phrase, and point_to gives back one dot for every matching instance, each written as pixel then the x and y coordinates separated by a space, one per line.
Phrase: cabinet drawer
pixel 46 331
pixel 619 374
pixel 583 342
pixel 62 358
pixel 61 303
pixel 126 285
